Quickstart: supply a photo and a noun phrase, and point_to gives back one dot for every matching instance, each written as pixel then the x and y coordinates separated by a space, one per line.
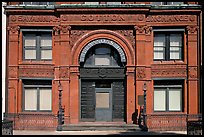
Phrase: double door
pixel 102 101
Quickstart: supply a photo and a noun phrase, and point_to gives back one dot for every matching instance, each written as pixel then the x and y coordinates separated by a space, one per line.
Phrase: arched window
pixel 102 55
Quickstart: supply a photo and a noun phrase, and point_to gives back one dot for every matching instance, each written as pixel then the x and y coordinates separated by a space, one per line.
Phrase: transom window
pixel 37 95
pixel 168 45
pixel 168 95
pixel 102 55
pixel 38 3
pixel 37 45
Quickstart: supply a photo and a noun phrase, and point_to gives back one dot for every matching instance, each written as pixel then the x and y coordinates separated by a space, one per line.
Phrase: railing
pixel 7 127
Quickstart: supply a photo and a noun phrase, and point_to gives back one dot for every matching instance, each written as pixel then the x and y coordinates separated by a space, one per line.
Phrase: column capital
pixel 192 29
pixel 13 29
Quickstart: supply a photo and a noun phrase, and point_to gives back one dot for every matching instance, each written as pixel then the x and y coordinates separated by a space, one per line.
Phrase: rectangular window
pixel 37 45
pixel 166 3
pixel 168 45
pixel 113 3
pixel 38 3
pixel 91 3
pixel 168 95
pixel 37 95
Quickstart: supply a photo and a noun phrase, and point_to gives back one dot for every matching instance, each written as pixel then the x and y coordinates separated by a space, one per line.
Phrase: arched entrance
pixel 102 76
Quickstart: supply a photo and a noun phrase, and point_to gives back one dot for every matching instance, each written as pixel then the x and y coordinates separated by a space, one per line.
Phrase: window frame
pixel 36 85
pixel 39 3
pixel 166 3
pixel 166 52
pixel 38 34
pixel 166 86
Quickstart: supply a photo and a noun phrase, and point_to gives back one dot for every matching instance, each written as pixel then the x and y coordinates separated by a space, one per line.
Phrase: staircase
pixel 100 126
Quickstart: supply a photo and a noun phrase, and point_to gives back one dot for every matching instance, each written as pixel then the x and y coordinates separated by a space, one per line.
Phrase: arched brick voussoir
pixel 105 34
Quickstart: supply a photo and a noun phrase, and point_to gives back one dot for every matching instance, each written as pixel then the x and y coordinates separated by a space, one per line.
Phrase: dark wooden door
pixel 118 101
pixel 87 101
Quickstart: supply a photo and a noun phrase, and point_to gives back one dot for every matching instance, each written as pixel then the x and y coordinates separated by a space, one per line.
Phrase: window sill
pixel 169 62
pixel 31 62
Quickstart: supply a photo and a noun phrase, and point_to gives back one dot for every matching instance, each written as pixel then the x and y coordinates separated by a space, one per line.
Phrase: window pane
pixel 35 3
pixel 113 3
pixel 45 99
pixel 30 42
pixel 92 3
pixel 159 100
pixel 102 100
pixel 46 54
pixel 102 61
pixel 102 51
pixel 30 54
pixel 175 55
pixel 158 55
pixel 174 99
pixel 30 99
pixel 46 42
pixel 175 40
pixel 157 3
pixel 26 3
pixel 158 49
pixel 174 3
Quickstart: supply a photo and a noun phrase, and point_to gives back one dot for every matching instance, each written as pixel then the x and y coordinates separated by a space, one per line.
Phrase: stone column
pixel 74 94
pixel 192 59
pixel 130 93
pixel 12 70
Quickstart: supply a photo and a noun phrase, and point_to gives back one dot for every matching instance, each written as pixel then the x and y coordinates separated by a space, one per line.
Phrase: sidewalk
pixel 87 132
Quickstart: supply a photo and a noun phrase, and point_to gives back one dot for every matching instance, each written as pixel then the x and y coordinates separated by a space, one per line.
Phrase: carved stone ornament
pixel 148 30
pixel 102 73
pixel 143 29
pixel 192 29
pixel 13 72
pixel 168 71
pixel 192 72
pixel 13 29
pixel 129 35
pixel 140 29
pixel 64 72
pixel 36 71
pixel 65 28
pixel 75 35
pixel 56 30
pixel 141 72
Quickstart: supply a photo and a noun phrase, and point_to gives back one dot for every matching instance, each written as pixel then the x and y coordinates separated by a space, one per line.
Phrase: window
pixel 37 45
pixel 168 95
pixel 91 3
pixel 102 55
pixel 37 95
pixel 168 45
pixel 38 3
pixel 113 3
pixel 167 3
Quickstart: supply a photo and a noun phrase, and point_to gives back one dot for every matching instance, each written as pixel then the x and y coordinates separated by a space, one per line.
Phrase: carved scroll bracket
pixel 143 29
pixel 192 29
pixel 13 29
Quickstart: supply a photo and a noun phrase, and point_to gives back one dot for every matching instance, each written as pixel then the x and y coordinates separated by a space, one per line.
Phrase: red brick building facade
pixel 102 54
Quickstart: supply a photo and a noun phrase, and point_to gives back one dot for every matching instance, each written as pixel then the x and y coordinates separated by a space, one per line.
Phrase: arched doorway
pixel 102 76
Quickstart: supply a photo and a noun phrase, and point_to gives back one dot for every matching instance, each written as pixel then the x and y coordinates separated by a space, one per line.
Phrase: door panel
pixel 103 111
pixel 118 101
pixel 87 101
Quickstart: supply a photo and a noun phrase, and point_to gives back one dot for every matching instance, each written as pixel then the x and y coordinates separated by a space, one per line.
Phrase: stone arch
pixel 103 34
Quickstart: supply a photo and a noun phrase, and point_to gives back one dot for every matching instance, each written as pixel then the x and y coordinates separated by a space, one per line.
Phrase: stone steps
pixel 99 126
